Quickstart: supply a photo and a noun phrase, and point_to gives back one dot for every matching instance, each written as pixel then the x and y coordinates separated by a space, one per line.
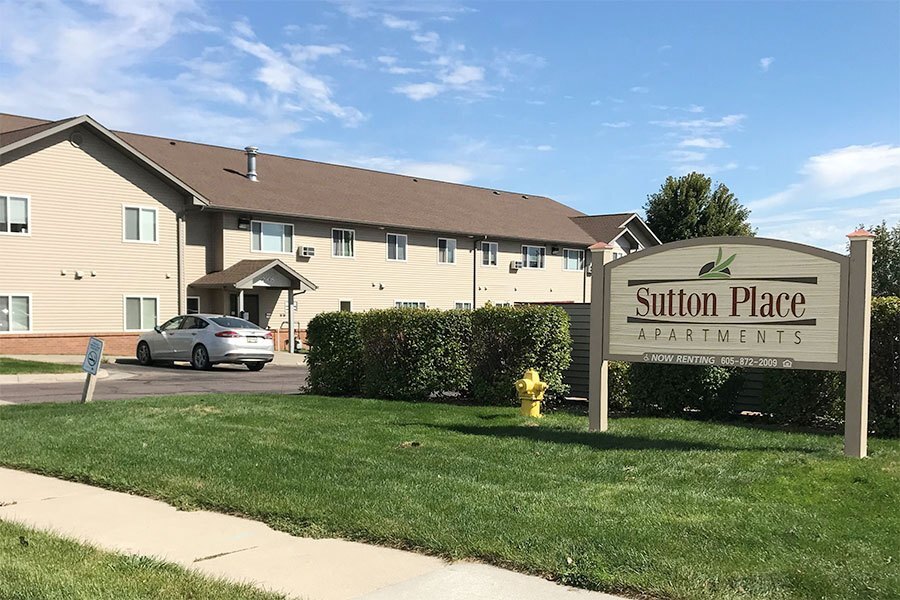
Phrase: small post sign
pixel 735 302
pixel 91 365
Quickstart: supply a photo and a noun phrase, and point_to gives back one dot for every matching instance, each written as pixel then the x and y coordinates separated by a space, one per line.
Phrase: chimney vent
pixel 251 152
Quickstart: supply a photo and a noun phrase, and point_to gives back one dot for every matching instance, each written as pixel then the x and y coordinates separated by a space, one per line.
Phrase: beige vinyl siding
pixel 77 197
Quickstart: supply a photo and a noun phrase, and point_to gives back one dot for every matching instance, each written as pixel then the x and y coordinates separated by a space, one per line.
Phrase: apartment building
pixel 109 233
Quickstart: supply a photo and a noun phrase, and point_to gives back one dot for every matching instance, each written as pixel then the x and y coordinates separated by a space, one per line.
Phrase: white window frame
pixel 27 214
pixel 125 298
pixel 387 244
pixel 566 259
pixel 342 300
pixel 398 303
pixel 496 246
pixel 261 251
pixel 353 246
pixel 140 208
pixel 10 296
pixel 455 248
pixel 525 257
pixel 187 311
pixel 466 305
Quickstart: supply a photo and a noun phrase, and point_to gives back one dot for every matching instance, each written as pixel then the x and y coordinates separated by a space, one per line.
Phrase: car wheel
pixel 143 354
pixel 255 366
pixel 200 358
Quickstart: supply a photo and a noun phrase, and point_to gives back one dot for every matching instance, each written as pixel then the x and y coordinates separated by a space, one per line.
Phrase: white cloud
pixel 700 125
pixel 765 63
pixel 616 124
pixel 539 148
pixel 664 47
pixel 703 142
pixel 463 75
pixel 393 22
pixel 420 91
pixel 428 41
pixel 639 89
pixel 847 172
pixel 315 52
pixel 695 108
pixel 514 65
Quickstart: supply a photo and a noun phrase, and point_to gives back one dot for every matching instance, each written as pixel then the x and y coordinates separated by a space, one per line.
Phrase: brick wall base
pixel 115 344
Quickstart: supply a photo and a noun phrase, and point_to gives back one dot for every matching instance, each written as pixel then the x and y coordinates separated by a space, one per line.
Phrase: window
pixel 194 323
pixel 396 246
pixel 141 313
pixel 573 260
pixel 617 255
pixel 463 306
pixel 346 305
pixel 15 313
pixel 140 224
pixel 533 257
pixel 409 304
pixel 14 215
pixel 489 254
pixel 271 237
pixel 446 251
pixel 193 305
pixel 172 324
pixel 342 243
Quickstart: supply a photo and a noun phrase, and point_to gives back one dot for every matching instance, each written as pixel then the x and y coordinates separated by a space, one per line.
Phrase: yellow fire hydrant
pixel 531 391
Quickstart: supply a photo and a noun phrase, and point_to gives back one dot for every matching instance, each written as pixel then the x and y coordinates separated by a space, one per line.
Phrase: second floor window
pixel 272 237
pixel 343 242
pixel 396 246
pixel 14 215
pixel 140 224
pixel 446 251
pixel 533 257
pixel 489 254
pixel 573 260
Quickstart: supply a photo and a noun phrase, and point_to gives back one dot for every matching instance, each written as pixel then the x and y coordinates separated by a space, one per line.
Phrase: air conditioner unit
pixel 307 251
pixel 515 265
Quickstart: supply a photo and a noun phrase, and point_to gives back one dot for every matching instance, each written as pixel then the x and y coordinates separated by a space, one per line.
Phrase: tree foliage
pixel 886 260
pixel 689 207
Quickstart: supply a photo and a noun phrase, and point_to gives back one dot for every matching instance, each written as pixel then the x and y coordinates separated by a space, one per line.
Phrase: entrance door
pixel 251 306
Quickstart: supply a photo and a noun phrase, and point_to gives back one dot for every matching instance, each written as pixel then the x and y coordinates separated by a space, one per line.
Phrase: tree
pixel 688 207
pixel 886 260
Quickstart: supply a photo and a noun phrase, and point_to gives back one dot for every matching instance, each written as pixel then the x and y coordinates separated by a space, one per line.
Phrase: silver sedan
pixel 206 340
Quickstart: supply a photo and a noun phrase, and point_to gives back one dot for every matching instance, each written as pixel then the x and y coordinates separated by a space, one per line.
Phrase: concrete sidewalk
pixel 245 550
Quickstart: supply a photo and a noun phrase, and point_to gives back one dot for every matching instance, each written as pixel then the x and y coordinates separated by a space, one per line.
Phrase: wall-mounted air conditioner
pixel 515 265
pixel 307 251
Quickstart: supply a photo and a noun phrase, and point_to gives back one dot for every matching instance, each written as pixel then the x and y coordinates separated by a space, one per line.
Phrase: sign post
pixel 91 365
pixel 736 302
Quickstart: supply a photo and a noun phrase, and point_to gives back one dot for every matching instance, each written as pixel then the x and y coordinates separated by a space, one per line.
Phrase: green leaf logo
pixel 717 269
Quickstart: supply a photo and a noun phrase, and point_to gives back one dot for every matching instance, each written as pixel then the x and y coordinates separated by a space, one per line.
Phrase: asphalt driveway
pixel 130 380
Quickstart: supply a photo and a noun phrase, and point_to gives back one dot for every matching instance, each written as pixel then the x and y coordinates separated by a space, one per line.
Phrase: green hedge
pixel 671 390
pixel 411 353
pixel 507 340
pixel 335 354
pixel 884 367
pixel 416 354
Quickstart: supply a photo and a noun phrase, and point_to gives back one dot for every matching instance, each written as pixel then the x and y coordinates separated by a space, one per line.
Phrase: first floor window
pixel 463 306
pixel 193 305
pixel 409 304
pixel 533 257
pixel 573 260
pixel 141 313
pixel 446 251
pixel 272 237
pixel 15 313
pixel 13 214
pixel 396 246
pixel 346 305
pixel 140 224
pixel 342 242
pixel 489 254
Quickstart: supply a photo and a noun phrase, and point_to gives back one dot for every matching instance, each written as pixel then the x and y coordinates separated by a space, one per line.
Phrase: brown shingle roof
pixel 309 189
pixel 244 269
pixel 8 136
pixel 603 228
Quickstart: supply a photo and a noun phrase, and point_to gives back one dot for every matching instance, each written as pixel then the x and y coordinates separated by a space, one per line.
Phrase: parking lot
pixel 130 380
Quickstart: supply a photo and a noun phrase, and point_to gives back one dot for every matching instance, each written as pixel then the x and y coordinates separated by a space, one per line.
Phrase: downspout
pixel 180 278
pixel 584 271
pixel 474 273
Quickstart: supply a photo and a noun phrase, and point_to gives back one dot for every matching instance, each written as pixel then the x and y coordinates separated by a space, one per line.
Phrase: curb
pixel 48 377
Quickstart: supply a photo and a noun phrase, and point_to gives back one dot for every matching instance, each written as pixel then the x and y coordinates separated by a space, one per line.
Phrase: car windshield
pixel 234 323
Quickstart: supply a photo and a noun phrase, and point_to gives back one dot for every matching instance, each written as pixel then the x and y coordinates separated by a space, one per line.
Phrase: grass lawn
pixel 669 508
pixel 14 366
pixel 54 568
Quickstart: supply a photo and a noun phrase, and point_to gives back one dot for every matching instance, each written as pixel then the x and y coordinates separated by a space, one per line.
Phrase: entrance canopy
pixel 249 274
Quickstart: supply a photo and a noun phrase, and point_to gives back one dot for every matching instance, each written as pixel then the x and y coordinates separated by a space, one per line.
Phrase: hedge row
pixel 416 354
pixel 809 398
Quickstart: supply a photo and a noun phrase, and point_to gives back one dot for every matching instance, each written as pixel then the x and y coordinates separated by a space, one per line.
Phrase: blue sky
pixel 795 106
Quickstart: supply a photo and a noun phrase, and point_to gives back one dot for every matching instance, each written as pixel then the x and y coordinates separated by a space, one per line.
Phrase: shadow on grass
pixel 612 441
